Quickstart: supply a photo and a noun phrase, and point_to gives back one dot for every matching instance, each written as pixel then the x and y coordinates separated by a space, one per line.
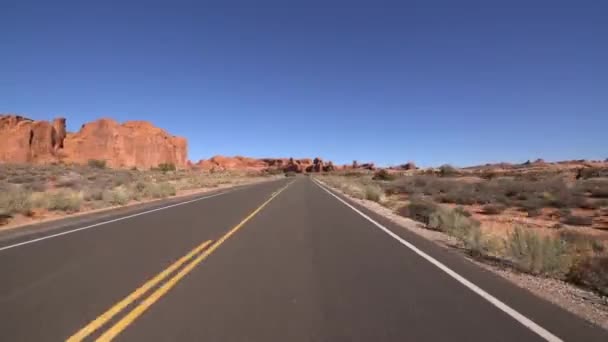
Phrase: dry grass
pixel 28 190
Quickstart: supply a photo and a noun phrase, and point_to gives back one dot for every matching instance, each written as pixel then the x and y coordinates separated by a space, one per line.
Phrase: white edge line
pixel 110 221
pixel 528 323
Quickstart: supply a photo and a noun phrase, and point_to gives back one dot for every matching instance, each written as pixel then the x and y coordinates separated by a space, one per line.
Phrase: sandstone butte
pixel 130 144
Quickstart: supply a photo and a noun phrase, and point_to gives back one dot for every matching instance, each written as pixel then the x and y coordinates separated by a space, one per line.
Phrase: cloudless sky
pixel 435 82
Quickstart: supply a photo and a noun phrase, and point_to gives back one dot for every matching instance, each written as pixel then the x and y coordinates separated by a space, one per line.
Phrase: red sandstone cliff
pixel 131 144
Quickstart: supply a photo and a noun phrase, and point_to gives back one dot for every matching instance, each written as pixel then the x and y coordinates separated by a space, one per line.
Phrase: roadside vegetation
pixel 553 226
pixel 32 191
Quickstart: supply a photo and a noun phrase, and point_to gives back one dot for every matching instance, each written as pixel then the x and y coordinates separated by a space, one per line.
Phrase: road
pixel 279 261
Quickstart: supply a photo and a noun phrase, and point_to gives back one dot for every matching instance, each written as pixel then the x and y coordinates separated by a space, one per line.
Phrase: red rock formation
pixel 220 163
pixel 329 167
pixel 28 141
pixel 407 166
pixel 244 163
pixel 132 144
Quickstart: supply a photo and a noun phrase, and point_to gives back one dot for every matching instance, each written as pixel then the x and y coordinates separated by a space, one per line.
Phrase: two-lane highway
pixel 279 261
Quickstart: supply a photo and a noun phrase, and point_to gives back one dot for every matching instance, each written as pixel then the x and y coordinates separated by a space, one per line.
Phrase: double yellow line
pixel 132 315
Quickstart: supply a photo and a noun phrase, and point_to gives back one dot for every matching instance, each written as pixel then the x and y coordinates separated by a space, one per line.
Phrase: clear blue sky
pixel 434 82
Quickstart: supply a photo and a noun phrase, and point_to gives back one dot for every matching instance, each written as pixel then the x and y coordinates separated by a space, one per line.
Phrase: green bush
pixel 536 254
pixel 97 163
pixel 64 200
pixel 452 222
pixel 373 193
pixel 418 210
pixel 383 175
pixel 116 196
pixel 153 190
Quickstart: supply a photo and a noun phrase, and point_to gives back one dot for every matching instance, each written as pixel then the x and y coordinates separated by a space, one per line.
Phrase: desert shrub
pixel 165 190
pixel 153 190
pixel 447 170
pixel 536 254
pixel 460 196
pixel 290 174
pixel 117 196
pixel 166 167
pixel 592 172
pixel 462 211
pixel 591 272
pixel 418 210
pixel 64 200
pixel 73 181
pixel 383 175
pixel 578 220
pixel 373 193
pixel 97 163
pixel 475 243
pixel 93 194
pixel 493 209
pixel 581 243
pixel 36 186
pixel 462 227
pixel 452 223
pixel 118 178
pixel 15 200
pixel 22 179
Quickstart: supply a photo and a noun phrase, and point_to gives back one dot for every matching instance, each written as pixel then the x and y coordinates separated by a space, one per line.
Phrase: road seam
pixel 528 323
pixel 146 303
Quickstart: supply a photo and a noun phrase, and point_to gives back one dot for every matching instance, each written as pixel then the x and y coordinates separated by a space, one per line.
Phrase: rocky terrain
pixel 131 144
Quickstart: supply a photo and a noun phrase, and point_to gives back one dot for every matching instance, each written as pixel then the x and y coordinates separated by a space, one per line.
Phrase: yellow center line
pixel 114 310
pixel 156 295
pixel 146 303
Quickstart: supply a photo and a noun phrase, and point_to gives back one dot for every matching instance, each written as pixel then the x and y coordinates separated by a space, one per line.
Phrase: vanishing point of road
pixel 284 260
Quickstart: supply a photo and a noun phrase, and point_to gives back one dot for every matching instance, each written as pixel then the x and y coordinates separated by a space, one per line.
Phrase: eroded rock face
pixel 23 140
pixel 131 144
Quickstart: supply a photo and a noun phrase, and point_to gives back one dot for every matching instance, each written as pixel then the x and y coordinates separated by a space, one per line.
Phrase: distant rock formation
pixel 131 144
pixel 222 163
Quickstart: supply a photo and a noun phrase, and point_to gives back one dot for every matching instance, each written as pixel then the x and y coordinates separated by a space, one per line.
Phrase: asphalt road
pixel 278 261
